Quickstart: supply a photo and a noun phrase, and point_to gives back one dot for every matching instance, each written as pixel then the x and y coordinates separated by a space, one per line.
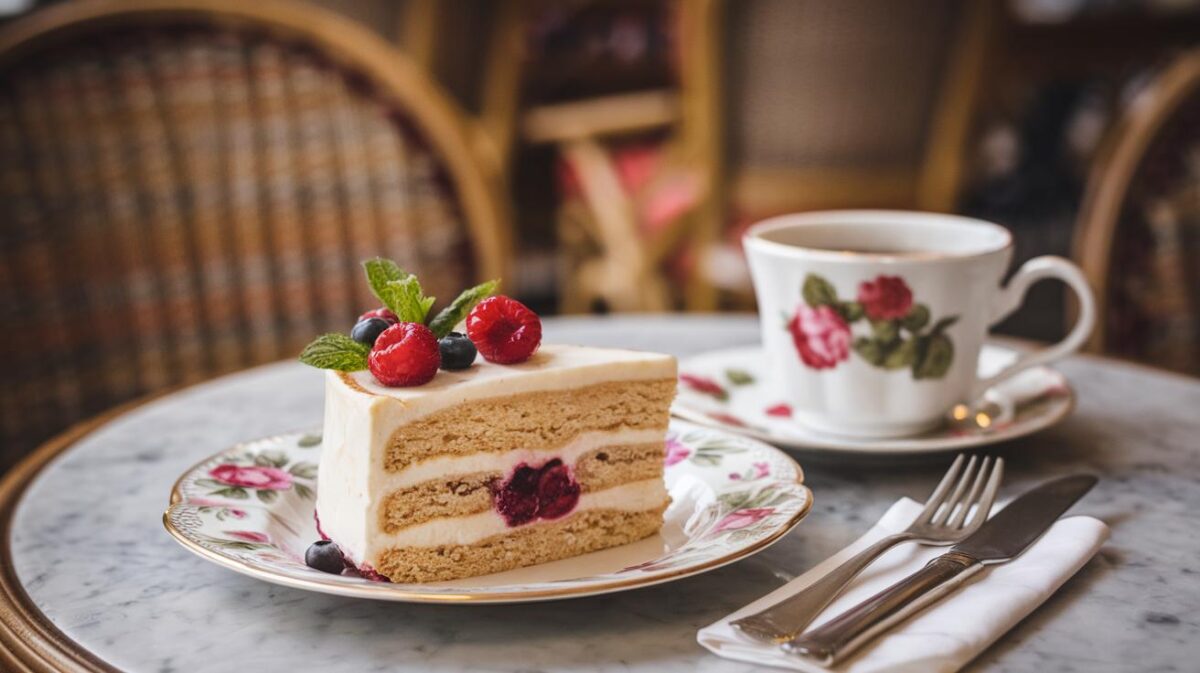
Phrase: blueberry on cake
pixel 439 465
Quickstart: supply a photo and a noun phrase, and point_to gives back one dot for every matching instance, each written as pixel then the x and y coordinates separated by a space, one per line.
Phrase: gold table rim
pixel 29 641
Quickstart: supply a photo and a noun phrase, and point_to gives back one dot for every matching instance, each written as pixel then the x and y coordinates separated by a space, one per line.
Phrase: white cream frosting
pixel 359 426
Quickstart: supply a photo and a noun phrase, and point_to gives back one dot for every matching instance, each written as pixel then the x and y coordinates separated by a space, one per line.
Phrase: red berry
pixel 504 330
pixel 517 500
pixel 558 493
pixel 405 354
pixel 546 492
pixel 384 313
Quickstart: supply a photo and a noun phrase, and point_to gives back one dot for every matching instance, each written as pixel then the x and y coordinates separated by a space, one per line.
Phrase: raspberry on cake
pixel 530 456
pixel 496 466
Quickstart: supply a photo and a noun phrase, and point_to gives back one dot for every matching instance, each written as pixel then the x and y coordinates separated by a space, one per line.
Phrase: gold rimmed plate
pixel 250 509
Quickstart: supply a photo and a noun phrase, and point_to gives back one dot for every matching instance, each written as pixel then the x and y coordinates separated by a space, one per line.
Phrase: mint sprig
pixel 443 323
pixel 401 293
pixel 405 298
pixel 335 351
pixel 398 290
pixel 380 272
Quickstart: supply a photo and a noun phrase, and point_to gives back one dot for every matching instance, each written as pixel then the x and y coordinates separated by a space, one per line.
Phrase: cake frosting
pixel 452 478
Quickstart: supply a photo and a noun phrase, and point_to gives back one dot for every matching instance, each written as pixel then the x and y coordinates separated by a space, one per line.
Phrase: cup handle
pixel 1011 298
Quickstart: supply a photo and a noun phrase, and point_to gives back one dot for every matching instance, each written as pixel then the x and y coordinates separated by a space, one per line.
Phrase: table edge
pixel 29 641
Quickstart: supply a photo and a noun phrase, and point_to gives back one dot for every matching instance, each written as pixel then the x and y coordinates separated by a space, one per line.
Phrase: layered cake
pixel 498 466
pixel 532 454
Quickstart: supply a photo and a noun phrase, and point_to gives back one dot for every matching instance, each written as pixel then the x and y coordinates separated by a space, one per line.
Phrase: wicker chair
pixel 187 186
pixel 1138 235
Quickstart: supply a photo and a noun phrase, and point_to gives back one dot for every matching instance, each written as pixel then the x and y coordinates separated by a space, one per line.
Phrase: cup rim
pixel 752 238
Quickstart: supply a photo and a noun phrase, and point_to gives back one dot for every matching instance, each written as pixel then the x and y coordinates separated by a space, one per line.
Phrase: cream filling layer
pixel 632 497
pixel 450 466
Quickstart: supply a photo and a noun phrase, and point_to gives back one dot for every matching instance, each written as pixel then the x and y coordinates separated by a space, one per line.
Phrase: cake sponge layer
pixel 535 420
pixel 613 465
pixel 579 533
pixel 460 495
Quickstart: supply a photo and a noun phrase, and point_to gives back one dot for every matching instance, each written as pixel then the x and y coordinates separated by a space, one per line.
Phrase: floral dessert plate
pixel 250 509
pixel 730 389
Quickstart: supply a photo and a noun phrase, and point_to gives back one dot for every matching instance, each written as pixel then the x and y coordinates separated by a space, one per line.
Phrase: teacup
pixel 873 321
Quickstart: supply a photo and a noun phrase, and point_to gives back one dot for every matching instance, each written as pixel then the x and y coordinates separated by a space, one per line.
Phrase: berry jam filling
pixel 546 492
pixel 366 572
pixel 317 519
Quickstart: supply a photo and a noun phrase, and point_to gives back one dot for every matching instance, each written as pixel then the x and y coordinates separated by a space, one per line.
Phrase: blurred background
pixel 187 186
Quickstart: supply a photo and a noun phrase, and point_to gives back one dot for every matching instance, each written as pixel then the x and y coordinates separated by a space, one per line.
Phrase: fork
pixel 943 522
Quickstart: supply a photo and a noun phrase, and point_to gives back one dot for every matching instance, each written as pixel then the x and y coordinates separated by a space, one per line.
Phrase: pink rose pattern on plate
pixel 676 452
pixel 751 501
pixel 265 475
pixel 249 536
pixel 743 518
pixel 900 335
pixel 253 476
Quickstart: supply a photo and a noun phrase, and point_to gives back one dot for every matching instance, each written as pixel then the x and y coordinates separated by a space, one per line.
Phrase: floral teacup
pixel 873 320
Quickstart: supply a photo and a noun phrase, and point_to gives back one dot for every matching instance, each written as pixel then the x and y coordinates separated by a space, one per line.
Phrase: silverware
pixel 1000 540
pixel 942 522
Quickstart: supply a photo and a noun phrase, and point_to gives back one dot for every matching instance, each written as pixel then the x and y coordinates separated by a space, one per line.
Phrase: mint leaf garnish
pixel 380 272
pixel 405 298
pixel 335 351
pixel 443 323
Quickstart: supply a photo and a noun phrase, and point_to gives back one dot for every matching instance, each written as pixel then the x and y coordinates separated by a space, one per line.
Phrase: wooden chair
pixel 854 104
pixel 187 187
pixel 1138 234
pixel 606 256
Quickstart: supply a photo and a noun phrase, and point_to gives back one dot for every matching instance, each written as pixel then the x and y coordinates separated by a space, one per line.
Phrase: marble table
pixel 102 587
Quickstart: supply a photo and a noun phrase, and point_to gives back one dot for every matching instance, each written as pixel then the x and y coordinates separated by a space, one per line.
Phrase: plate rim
pixel 897 446
pixel 391 592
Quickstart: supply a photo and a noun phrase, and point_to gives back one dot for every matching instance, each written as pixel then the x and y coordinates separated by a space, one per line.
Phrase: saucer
pixel 731 497
pixel 730 389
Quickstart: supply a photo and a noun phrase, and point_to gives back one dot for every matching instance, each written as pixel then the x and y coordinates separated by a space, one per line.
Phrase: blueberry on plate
pixel 367 331
pixel 457 351
pixel 325 556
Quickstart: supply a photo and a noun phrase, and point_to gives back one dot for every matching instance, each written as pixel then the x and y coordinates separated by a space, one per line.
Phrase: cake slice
pixel 497 466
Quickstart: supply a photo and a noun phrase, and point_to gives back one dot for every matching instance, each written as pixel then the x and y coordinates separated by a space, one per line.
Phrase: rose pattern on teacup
pixel 900 335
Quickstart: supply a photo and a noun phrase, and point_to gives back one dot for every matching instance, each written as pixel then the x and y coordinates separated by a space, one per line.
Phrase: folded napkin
pixel 945 636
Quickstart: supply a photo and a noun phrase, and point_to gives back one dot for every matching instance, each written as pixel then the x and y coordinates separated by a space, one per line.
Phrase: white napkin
pixel 948 634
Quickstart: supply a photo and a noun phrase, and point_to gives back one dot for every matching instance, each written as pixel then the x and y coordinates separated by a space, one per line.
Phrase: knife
pixel 999 540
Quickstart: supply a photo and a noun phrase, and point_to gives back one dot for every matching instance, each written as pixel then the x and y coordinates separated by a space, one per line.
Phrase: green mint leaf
pixel 335 351
pixel 405 299
pixel 443 323
pixel 380 272
pixel 818 292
